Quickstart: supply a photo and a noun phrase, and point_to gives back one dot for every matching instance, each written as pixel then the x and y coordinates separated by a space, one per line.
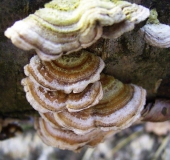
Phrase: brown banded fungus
pixel 68 73
pixel 120 107
pixel 65 139
pixel 77 107
pixel 44 100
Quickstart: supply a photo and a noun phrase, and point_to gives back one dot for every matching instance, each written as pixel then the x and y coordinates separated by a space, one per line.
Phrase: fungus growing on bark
pixel 134 15
pixel 65 139
pixel 66 90
pixel 120 107
pixel 68 73
pixel 44 100
pixel 155 33
pixel 63 27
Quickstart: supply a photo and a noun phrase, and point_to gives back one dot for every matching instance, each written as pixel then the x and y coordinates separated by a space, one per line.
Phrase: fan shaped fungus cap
pixel 68 73
pixel 44 100
pixel 65 139
pixel 155 33
pixel 64 27
pixel 134 15
pixel 120 107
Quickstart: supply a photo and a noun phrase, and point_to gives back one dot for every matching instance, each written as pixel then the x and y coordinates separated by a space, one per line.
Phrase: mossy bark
pixel 128 58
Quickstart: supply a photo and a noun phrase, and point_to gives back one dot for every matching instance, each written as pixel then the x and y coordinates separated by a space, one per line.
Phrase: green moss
pixel 153 18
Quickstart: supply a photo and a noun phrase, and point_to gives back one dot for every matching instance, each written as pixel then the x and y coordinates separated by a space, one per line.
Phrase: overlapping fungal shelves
pixel 63 27
pixel 66 139
pixel 78 105
pixel 44 100
pixel 120 107
pixel 71 73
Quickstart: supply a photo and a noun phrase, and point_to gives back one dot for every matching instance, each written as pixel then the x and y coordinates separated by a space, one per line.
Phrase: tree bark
pixel 127 58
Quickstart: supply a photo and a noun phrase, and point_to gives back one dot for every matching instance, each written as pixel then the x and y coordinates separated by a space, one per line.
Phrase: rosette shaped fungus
pixel 134 15
pixel 44 100
pixel 68 73
pixel 64 26
pixel 120 107
pixel 155 33
pixel 65 139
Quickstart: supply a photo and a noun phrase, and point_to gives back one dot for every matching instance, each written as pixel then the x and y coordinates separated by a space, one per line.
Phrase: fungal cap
pixel 68 73
pixel 118 29
pixel 134 14
pixel 62 28
pixel 157 35
pixel 64 139
pixel 44 100
pixel 120 107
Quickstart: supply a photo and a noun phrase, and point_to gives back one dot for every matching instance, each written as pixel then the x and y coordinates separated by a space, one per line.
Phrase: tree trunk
pixel 127 58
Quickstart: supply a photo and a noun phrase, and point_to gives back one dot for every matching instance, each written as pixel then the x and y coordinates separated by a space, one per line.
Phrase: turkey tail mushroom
pixel 69 82
pixel 44 100
pixel 67 26
pixel 134 15
pixel 65 139
pixel 68 73
pixel 120 107
pixel 155 33
pixel 77 108
pixel 64 26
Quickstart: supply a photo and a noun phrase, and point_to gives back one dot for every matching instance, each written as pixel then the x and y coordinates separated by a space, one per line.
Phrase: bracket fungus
pixel 134 15
pixel 67 26
pixel 69 73
pixel 155 33
pixel 65 139
pixel 120 107
pixel 78 105
pixel 44 100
